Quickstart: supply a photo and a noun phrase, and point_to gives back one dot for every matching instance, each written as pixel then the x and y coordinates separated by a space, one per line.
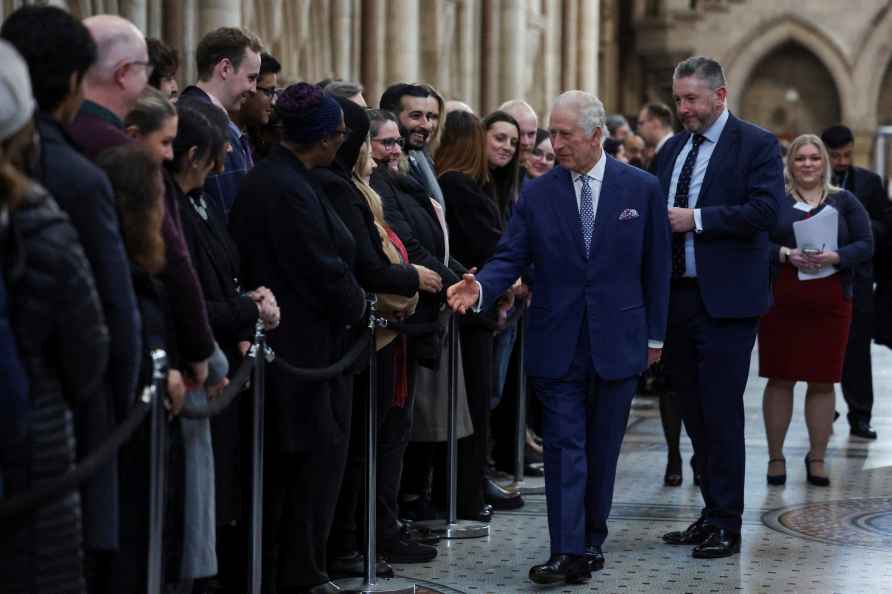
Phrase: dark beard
pixel 405 133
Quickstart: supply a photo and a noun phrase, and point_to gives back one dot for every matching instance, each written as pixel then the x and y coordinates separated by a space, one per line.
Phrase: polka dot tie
pixel 587 213
pixel 681 201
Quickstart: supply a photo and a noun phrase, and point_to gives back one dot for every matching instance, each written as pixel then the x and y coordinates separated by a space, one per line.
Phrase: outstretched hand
pixel 464 294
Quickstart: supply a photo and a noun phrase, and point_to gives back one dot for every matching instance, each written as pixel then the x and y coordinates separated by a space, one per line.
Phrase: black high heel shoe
pixel 817 481
pixel 673 477
pixel 777 479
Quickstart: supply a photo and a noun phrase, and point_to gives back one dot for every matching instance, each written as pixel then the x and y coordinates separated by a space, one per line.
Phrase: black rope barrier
pixel 235 387
pixel 47 492
pixel 411 329
pixel 325 373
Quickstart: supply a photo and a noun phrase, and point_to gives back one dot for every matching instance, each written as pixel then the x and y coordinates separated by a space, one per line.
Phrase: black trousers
pixel 394 428
pixel 477 359
pixel 857 372
pixel 708 361
pixel 300 493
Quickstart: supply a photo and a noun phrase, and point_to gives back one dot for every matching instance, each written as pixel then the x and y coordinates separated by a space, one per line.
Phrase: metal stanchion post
pixel 259 352
pixel 456 528
pixel 521 429
pixel 369 584
pixel 157 467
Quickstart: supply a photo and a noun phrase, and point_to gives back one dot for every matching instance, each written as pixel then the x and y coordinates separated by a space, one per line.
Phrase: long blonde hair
pixel 795 146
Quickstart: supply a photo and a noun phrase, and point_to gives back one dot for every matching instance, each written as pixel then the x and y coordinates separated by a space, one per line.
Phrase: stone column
pixel 403 30
pixel 552 49
pixel 467 35
pixel 587 44
pixel 512 52
pixel 341 38
pixel 136 11
pixel 372 72
pixel 569 29
pixel 213 14
pixel 430 25
pixel 490 61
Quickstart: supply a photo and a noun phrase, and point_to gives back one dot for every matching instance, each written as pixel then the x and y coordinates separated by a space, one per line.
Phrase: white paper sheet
pixel 820 232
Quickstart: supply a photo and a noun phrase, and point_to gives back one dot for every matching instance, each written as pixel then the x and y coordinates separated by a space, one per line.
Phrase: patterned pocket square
pixel 628 214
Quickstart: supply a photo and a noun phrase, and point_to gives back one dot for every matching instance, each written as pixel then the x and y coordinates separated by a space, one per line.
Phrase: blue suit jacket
pixel 739 201
pixel 623 288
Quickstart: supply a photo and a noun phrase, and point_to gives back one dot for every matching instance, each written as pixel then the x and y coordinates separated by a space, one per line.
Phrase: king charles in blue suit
pixel 598 235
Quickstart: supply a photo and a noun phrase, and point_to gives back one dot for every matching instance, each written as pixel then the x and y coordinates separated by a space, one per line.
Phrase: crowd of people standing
pixel 139 216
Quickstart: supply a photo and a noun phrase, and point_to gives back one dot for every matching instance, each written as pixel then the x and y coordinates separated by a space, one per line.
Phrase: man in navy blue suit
pixel 596 232
pixel 723 182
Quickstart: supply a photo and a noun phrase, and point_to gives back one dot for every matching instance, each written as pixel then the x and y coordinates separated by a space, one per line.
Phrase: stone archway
pixel 751 56
pixel 790 92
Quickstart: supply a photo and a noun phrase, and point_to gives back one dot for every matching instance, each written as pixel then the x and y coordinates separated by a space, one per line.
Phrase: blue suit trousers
pixel 584 420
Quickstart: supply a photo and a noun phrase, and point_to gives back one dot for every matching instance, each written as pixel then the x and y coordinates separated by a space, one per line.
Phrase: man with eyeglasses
pixel 112 85
pixel 228 61
pixel 257 109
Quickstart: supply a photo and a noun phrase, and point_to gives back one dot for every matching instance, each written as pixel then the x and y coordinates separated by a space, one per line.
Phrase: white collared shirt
pixel 596 178
pixel 712 135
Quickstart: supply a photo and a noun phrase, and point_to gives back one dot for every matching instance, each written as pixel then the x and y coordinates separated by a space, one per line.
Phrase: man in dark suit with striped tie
pixel 724 184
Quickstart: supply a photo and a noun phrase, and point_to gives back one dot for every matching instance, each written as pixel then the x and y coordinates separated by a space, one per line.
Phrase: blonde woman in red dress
pixel 803 336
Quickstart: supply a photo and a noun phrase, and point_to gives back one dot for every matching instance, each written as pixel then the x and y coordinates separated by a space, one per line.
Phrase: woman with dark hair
pixel 62 343
pixel 138 186
pixel 502 134
pixel 475 226
pixel 165 62
pixel 376 274
pixel 293 242
pixel 541 159
pixel 233 313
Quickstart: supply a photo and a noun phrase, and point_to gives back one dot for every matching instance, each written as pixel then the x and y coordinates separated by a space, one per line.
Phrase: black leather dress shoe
pixel 695 534
pixel 499 497
pixel 861 428
pixel 353 565
pixel 721 543
pixel 595 558
pixel 571 569
pixel 484 515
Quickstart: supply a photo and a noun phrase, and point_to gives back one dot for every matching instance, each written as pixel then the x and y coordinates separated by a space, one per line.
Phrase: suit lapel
pixel 564 203
pixel 724 149
pixel 666 174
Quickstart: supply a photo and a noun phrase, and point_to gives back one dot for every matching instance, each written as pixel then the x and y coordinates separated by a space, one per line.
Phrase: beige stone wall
pixel 480 51
pixel 850 41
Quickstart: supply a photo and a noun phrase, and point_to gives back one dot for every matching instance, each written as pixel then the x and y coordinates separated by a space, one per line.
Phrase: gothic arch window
pixel 790 92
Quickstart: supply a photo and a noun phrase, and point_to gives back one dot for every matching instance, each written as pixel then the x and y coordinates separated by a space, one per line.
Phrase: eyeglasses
pixel 147 65
pixel 389 142
pixel 270 92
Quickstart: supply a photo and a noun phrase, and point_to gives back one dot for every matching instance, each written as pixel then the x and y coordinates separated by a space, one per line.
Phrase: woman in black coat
pixel 475 227
pixel 233 314
pixel 292 241
pixel 376 274
pixel 63 345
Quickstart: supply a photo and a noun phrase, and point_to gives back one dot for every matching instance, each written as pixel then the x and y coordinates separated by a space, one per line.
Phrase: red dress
pixel 804 335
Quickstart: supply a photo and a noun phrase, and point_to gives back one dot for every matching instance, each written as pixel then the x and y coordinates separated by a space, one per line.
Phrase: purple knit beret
pixel 307 114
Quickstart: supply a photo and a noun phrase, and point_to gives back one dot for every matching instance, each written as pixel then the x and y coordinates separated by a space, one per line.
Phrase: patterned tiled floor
pixel 796 538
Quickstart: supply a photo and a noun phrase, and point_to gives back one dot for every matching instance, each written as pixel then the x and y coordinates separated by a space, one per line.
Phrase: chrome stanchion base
pixel 382 586
pixel 458 529
pixel 466 529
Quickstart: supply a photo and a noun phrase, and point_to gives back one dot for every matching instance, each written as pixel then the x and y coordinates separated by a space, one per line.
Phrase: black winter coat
pixel 409 211
pixel 233 316
pixel 292 242
pixel 83 191
pixel 63 342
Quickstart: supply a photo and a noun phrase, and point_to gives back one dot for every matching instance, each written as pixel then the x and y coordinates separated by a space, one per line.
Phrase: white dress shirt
pixel 596 177
pixel 712 135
